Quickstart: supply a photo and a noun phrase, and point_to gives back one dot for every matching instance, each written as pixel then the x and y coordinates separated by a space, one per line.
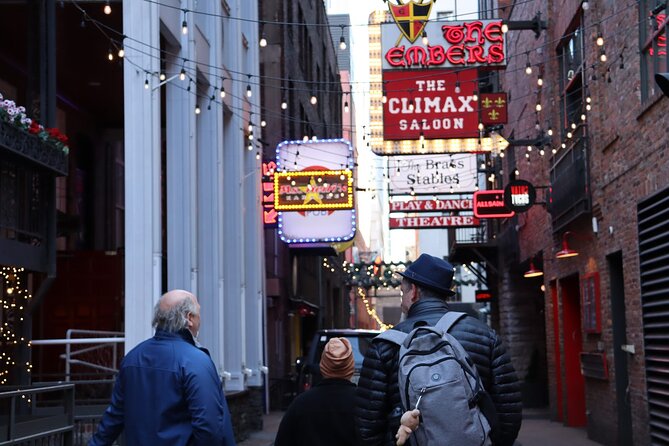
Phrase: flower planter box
pixel 29 148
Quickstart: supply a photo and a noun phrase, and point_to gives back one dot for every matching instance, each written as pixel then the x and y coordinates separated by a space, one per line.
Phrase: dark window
pixel 653 46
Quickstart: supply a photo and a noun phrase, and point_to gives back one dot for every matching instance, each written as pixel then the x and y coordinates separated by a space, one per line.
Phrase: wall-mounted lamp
pixel 533 271
pixel 566 251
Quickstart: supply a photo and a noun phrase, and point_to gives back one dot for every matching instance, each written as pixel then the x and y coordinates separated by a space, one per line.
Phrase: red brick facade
pixel 627 163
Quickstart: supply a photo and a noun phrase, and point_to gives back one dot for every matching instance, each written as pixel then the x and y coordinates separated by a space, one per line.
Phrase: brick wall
pixel 627 154
pixel 247 409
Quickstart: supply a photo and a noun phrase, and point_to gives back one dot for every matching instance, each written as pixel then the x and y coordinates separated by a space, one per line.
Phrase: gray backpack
pixel 437 376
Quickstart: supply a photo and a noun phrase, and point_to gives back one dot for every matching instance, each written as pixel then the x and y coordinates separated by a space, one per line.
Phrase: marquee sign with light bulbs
pixel 302 161
pixel 309 190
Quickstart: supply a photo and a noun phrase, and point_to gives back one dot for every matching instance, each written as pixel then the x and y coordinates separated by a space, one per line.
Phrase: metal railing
pixel 28 416
pixel 90 366
pixel 69 354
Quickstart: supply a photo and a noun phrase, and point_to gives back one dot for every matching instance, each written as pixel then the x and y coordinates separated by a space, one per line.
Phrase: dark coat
pixel 167 393
pixel 378 403
pixel 321 416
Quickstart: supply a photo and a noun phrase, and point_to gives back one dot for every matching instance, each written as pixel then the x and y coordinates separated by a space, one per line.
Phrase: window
pixel 570 55
pixel 570 197
pixel 653 41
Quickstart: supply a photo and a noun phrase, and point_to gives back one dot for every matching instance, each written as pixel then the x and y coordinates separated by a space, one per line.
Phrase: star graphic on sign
pixel 310 192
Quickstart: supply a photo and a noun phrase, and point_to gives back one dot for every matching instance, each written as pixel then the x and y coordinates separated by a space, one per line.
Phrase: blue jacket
pixel 167 393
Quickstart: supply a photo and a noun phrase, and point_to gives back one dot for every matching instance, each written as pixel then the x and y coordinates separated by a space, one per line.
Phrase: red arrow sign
pixel 269 217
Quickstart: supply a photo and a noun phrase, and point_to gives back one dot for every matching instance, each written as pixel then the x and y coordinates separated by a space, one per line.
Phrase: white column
pixel 254 252
pixel 143 247
pixel 233 225
pixel 210 200
pixel 181 166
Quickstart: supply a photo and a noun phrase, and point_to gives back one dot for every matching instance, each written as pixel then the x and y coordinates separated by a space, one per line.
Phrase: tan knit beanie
pixel 337 359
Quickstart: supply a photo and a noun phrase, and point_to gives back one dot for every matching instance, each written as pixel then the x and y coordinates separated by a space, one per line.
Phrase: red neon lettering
pixel 437 55
pixel 453 33
pixel 493 32
pixel 472 29
pixel 456 55
pixel 475 54
pixel 496 53
pixel 416 55
pixel 394 56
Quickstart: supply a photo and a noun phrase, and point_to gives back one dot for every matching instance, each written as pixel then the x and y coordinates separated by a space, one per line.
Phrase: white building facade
pixel 193 217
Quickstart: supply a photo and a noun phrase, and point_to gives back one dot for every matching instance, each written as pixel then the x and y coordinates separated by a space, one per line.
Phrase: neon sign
pixel 454 44
pixel 490 204
pixel 269 214
pixel 309 190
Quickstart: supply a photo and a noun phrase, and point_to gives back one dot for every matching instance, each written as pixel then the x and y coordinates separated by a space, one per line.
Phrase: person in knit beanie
pixel 337 359
pixel 323 415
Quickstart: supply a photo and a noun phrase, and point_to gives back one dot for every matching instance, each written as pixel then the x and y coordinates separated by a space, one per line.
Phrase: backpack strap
pixel 394 336
pixel 448 320
pixel 483 399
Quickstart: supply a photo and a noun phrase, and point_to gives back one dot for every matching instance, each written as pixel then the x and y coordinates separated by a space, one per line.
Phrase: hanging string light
pixel 184 24
pixel 342 41
pixel 110 55
pixel 107 9
pixel 424 39
pixel 528 66
pixel 249 92
pixel 263 41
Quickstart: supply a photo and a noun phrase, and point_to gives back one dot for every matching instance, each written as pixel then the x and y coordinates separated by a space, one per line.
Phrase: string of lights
pixel 526 52
pixel 311 24
pixel 540 81
pixel 14 304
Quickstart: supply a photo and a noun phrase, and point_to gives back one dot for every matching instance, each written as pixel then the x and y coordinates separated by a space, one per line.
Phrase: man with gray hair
pixel 168 391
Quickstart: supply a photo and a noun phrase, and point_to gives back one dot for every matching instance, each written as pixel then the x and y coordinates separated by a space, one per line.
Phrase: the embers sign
pixel 457 44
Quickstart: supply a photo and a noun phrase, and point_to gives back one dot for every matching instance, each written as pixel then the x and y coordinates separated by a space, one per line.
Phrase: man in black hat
pixel 426 284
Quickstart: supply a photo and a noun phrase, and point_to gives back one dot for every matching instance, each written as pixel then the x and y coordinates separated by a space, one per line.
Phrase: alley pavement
pixel 537 430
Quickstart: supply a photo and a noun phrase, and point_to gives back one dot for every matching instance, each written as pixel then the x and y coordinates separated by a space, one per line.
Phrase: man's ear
pixel 189 318
pixel 416 293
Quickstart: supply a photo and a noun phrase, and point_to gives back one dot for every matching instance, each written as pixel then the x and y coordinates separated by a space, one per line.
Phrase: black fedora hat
pixel 431 272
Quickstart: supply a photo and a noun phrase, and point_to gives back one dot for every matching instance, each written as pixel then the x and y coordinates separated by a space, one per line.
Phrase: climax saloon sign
pixel 434 103
pixel 461 221
pixel 477 43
